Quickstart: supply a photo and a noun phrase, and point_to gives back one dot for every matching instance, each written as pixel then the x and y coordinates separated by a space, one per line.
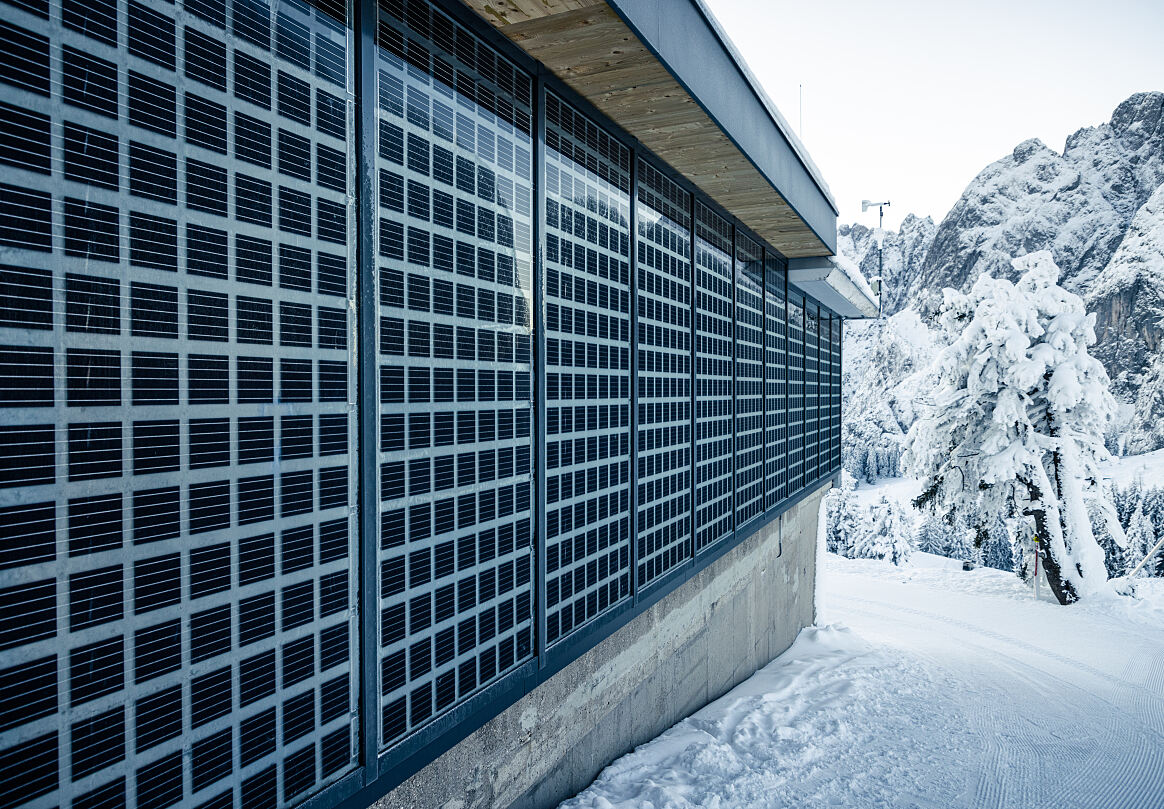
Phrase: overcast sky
pixel 907 100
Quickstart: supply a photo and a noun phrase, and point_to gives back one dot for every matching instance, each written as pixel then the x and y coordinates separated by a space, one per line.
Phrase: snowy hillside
pixel 1080 205
pixel 924 687
pixel 881 376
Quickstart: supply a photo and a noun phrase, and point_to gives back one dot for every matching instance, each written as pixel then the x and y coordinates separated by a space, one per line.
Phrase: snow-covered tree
pixel 1110 536
pixel 997 546
pixel 887 536
pixel 932 536
pixel 1125 499
pixel 1141 539
pixel 1017 421
pixel 844 517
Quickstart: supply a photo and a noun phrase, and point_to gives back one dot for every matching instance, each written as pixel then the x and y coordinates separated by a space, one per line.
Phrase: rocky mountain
pixel 1077 204
pixel 1128 300
pixel 903 252
pixel 1096 207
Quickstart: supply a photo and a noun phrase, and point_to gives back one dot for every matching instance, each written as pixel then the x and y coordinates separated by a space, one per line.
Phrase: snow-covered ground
pixel 1149 468
pixel 924 687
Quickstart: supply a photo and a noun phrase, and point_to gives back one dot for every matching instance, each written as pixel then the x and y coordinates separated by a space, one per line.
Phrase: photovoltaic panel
pixel 178 380
pixel 795 366
pixel 775 380
pixel 663 301
pixel 178 441
pixel 835 397
pixel 811 389
pixel 714 388
pixel 587 367
pixel 749 379
pixel 454 173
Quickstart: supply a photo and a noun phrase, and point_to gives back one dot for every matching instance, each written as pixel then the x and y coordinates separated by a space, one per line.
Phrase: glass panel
pixel 795 390
pixel 714 390
pixel 454 172
pixel 587 283
pixel 749 370
pixel 775 381
pixel 835 438
pixel 811 391
pixel 179 412
pixel 664 374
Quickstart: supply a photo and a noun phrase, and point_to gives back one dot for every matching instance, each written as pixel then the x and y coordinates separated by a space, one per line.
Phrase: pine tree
pixel 932 536
pixel 887 537
pixel 1141 539
pixel 844 517
pixel 996 549
pixel 1113 549
pixel 869 466
pixel 1016 424
pixel 1125 499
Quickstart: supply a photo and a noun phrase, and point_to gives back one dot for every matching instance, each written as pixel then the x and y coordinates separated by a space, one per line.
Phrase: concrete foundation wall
pixel 689 648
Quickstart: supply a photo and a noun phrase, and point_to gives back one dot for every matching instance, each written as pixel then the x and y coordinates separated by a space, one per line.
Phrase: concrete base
pixel 689 648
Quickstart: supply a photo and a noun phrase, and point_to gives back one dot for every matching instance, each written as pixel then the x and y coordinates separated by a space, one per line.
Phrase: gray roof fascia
pixel 685 37
pixel 826 281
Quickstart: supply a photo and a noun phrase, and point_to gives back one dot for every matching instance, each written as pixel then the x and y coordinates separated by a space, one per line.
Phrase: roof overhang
pixel 833 284
pixel 665 72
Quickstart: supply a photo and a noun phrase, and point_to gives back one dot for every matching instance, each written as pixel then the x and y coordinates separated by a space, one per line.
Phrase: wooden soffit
pixel 589 48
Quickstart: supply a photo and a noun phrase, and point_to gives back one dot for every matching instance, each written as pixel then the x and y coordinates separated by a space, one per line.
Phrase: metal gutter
pixel 830 284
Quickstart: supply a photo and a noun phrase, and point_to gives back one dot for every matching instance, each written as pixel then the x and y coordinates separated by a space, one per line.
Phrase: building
pixel 400 402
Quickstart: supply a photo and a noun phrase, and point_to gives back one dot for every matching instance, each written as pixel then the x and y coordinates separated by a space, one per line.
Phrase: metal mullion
pixel 366 14
pixel 539 364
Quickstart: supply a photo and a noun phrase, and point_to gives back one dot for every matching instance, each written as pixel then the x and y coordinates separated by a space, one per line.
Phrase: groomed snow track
pixel 927 688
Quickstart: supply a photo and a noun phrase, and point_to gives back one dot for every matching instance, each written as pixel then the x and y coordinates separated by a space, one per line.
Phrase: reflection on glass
pixel 454 175
pixel 811 389
pixel 714 390
pixel 795 389
pixel 587 277
pixel 775 381
pixel 663 220
pixel 749 399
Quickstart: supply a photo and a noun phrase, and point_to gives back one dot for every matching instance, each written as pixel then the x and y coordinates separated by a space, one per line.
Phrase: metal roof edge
pixel 769 105
pixel 728 92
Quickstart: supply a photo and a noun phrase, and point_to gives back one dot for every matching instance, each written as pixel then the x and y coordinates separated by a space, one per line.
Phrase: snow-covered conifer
pixel 932 536
pixel 1141 539
pixel 1017 421
pixel 1113 547
pixel 1125 499
pixel 887 536
pixel 996 550
pixel 844 517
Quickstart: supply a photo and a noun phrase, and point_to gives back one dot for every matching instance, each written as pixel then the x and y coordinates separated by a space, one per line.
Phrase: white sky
pixel 907 100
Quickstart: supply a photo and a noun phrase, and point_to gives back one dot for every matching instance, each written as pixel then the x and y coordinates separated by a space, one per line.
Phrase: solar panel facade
pixel 178 434
pixel 455 277
pixel 714 378
pixel 195 399
pixel 749 379
pixel 663 307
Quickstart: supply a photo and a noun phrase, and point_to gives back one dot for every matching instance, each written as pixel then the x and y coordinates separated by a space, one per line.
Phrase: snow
pixel 1148 467
pixel 926 687
pixel 850 269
